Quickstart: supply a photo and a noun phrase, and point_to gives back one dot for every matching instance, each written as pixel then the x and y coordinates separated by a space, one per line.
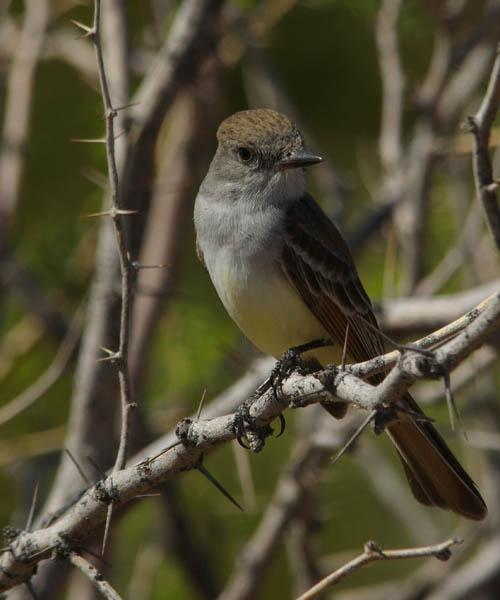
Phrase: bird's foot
pixel 246 427
pixel 290 361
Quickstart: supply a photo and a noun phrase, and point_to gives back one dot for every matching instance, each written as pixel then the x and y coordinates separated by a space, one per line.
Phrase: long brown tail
pixel 435 476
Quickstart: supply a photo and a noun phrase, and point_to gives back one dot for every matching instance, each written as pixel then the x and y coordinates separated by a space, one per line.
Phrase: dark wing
pixel 318 263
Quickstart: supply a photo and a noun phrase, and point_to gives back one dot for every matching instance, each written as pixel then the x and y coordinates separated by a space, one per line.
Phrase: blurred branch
pixel 14 139
pixel 15 276
pixel 452 78
pixel 264 87
pixel 392 83
pixel 18 105
pixel 385 480
pixel 171 207
pixel 115 47
pixel 192 37
pixel 63 355
pixel 93 576
pixel 182 539
pixel 373 553
pixel 454 258
pixel 142 580
pixel 480 124
pixel 292 492
pixel 76 51
pixel 301 552
pixel 414 314
pixel 17 342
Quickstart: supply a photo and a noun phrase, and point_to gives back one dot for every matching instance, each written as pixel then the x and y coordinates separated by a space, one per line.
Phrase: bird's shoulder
pixel 317 240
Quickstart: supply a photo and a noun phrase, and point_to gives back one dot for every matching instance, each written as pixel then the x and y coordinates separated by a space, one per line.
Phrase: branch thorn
pixel 219 486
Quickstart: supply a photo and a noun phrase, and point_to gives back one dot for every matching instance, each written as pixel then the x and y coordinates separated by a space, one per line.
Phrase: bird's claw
pixel 282 426
pixel 246 427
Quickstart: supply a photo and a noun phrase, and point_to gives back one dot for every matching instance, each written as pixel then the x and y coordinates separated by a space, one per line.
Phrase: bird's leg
pixel 289 362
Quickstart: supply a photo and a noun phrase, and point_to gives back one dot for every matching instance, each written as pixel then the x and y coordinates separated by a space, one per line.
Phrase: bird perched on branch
pixel 285 275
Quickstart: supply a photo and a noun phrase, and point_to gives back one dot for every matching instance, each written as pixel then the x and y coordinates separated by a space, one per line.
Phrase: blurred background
pixel 380 89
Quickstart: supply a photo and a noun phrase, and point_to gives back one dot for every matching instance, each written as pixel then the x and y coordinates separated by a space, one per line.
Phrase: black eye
pixel 244 154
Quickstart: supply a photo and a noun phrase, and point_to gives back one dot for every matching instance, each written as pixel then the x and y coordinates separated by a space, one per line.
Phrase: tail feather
pixel 435 476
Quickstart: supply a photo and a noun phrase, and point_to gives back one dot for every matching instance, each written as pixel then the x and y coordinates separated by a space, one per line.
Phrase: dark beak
pixel 300 158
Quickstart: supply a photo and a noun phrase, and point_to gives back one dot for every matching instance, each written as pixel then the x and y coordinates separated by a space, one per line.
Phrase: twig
pixel 94 576
pixel 373 553
pixel 480 123
pixel 392 82
pixel 18 103
pixel 121 357
pixel 468 580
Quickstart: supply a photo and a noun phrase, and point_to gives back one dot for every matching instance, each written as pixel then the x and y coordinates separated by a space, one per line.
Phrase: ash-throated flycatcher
pixel 285 275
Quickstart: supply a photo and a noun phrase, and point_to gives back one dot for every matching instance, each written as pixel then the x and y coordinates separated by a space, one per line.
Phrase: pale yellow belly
pixel 270 312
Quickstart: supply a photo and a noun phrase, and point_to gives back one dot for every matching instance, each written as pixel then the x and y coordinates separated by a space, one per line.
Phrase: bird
pixel 286 276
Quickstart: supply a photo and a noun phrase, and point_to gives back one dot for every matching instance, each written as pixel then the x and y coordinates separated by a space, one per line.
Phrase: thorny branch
pixel 198 437
pixel 120 358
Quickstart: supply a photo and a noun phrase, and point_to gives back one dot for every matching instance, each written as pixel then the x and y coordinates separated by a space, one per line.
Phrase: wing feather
pixel 320 266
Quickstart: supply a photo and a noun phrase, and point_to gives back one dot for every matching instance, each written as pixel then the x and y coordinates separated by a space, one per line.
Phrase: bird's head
pixel 261 150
